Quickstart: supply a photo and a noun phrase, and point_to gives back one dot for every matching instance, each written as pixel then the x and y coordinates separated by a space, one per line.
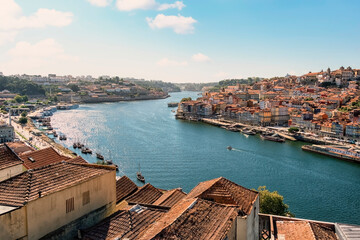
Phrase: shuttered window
pixel 86 197
pixel 69 205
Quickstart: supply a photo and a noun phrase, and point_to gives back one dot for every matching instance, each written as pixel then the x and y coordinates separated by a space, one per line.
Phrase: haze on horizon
pixel 178 41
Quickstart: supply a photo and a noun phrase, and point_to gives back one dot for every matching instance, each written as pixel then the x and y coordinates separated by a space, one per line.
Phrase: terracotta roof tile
pixel 204 220
pixel 123 224
pixel 20 147
pixel 170 198
pixel 223 191
pixel 168 218
pixel 294 230
pixel 147 194
pixel 41 158
pixel 8 158
pixel 77 160
pixel 25 187
pixel 323 232
pixel 124 187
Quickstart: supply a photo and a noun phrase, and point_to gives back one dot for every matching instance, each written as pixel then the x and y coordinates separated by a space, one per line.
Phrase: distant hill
pixel 155 84
pixel 20 86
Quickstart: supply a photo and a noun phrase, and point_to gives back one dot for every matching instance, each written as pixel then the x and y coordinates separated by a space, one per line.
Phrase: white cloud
pixel 199 57
pixel 46 54
pixel 178 4
pixel 11 17
pixel 180 24
pixel 100 3
pixel 7 36
pixel 165 62
pixel 129 5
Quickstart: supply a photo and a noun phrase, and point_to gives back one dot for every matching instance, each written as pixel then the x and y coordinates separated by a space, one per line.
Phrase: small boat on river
pixel 139 176
pixel 229 148
pixel 99 156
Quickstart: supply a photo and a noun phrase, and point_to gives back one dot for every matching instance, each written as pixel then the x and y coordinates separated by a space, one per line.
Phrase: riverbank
pixel 282 132
pixel 121 99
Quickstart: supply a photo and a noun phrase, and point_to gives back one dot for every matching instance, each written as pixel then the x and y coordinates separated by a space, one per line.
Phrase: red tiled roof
pixel 41 158
pixel 223 191
pixel 147 194
pixel 170 198
pixel 77 160
pixel 124 187
pixel 19 147
pixel 322 232
pixel 8 158
pixel 205 220
pixel 296 230
pixel 25 187
pixel 123 224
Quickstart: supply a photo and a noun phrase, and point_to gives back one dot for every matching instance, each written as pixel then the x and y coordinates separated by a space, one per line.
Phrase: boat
pixel 99 156
pixel 75 145
pixel 173 104
pixel 347 153
pixel 273 138
pixel 139 176
pixel 229 148
pixel 249 132
pixel 83 150
pixel 62 137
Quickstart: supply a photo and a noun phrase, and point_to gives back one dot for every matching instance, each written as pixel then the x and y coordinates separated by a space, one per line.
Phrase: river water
pixel 175 153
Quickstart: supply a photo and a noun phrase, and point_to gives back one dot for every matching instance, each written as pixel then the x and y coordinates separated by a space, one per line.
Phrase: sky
pixel 178 41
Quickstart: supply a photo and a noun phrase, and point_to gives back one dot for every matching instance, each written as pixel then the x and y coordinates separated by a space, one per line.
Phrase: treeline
pixel 195 86
pixel 233 82
pixel 157 85
pixel 20 86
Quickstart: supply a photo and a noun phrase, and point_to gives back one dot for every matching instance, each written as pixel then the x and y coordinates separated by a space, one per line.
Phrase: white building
pixel 6 133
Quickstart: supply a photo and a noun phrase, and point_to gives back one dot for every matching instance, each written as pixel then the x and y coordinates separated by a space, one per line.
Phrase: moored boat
pixel 139 176
pixel 99 156
pixel 249 132
pixel 272 138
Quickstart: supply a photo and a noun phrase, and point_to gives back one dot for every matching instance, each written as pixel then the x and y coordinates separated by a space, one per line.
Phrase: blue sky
pixel 178 41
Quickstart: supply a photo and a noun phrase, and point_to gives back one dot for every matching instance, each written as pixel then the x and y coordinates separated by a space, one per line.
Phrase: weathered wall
pixel 253 222
pixel 241 228
pixel 10 172
pixel 49 212
pixel 248 226
pixel 13 224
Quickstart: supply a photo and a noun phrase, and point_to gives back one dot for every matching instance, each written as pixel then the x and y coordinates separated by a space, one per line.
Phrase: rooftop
pixel 124 187
pixel 8 158
pixel 41 158
pixel 147 194
pixel 124 224
pixel 35 183
pixel 224 191
pixel 204 220
pixel 19 147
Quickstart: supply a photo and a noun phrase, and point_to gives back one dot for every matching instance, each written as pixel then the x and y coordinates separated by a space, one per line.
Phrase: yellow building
pixel 60 196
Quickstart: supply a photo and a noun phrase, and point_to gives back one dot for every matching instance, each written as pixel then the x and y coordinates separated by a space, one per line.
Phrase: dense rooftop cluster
pixel 326 103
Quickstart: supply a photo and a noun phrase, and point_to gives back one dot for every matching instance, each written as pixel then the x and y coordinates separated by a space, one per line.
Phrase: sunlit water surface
pixel 175 153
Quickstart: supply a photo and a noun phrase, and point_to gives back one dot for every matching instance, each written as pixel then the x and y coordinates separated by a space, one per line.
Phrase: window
pixel 70 205
pixel 86 197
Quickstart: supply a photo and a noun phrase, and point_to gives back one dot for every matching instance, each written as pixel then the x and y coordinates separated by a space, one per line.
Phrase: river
pixel 175 153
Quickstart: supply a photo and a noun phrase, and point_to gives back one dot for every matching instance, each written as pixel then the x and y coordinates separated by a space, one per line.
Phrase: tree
pixel 293 129
pixel 23 120
pixel 18 98
pixel 74 87
pixel 186 99
pixel 23 114
pixel 273 203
